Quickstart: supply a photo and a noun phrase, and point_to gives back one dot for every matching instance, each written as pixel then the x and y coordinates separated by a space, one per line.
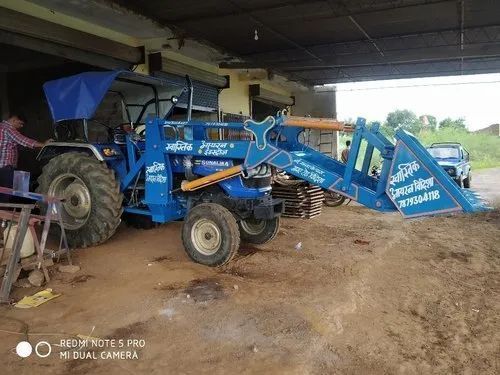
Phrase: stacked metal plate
pixel 302 199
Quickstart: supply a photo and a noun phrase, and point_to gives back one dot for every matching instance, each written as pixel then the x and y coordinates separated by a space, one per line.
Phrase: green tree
pixel 448 123
pixel 405 119
pixel 428 122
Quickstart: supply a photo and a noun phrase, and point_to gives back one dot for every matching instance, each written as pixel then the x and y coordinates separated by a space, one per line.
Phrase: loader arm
pixel 410 181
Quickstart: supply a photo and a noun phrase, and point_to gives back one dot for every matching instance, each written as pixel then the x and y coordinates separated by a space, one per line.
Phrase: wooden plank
pixel 20 23
pixel 301 200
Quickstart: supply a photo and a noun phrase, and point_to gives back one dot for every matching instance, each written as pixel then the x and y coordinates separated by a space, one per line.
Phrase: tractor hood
pixel 77 97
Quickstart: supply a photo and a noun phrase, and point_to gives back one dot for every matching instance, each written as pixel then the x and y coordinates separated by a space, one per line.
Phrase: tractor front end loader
pixel 157 170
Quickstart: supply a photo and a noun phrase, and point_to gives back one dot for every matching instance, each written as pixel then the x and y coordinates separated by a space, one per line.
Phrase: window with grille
pixel 234 134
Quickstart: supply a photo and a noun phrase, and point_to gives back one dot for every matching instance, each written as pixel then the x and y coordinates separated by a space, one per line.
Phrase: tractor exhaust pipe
pixel 190 97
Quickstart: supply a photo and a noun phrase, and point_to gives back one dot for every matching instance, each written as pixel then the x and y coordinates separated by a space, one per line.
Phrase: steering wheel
pixel 105 125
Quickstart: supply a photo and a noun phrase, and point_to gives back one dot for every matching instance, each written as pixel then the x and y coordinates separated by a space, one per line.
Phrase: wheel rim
pixel 206 237
pixel 253 226
pixel 77 202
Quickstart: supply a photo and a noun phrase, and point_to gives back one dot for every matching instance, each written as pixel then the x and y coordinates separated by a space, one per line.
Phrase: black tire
pixel 138 221
pixel 460 182
pixel 210 234
pixel 259 232
pixel 92 191
pixel 468 180
pixel 333 199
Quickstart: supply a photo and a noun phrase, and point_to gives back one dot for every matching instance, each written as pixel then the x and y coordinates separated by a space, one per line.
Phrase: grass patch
pixel 484 149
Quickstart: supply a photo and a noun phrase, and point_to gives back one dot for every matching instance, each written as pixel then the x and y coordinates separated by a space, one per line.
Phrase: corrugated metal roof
pixel 329 41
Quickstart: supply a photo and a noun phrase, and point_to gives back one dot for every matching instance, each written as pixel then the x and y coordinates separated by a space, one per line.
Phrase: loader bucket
pixel 419 186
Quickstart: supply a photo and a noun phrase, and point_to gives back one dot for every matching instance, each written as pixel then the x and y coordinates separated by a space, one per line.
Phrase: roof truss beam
pixel 339 9
pixel 478 42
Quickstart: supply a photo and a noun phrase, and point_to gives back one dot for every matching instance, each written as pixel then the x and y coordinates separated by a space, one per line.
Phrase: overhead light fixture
pixel 256 35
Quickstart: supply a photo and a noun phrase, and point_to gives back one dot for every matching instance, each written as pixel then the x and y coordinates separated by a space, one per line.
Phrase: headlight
pixel 451 171
pixel 108 152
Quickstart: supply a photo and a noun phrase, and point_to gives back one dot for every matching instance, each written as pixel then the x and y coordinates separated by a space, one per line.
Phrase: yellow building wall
pixel 236 99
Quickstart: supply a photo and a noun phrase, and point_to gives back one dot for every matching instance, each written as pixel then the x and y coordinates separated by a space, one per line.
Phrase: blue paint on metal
pixel 206 124
pixel 467 201
pixel 137 211
pixel 260 130
pixel 209 148
pixel 279 146
pixel 254 156
pixel 414 189
pixel 133 171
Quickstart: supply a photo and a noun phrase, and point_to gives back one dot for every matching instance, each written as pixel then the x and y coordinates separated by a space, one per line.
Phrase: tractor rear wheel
pixel 210 234
pixel 92 199
pixel 259 232
pixel 333 199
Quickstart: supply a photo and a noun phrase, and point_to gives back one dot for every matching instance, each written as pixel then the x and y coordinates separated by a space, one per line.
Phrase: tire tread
pixel 105 215
pixel 218 212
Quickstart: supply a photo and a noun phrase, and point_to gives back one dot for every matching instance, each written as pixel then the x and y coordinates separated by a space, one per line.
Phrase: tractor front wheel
pixel 210 234
pixel 92 203
pixel 259 232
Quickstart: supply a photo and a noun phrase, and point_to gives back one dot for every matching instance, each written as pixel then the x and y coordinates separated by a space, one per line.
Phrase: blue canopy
pixel 77 97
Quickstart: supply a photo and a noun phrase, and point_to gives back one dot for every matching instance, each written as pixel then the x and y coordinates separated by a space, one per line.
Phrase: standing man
pixel 10 139
pixel 345 152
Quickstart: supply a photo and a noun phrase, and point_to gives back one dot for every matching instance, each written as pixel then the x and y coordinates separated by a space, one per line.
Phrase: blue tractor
pixel 122 152
pixel 101 167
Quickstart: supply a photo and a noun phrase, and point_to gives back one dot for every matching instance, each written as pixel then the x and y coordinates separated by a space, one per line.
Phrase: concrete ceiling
pixel 103 13
pixel 329 41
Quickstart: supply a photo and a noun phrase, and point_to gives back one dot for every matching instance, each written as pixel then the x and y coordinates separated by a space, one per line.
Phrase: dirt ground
pixel 367 293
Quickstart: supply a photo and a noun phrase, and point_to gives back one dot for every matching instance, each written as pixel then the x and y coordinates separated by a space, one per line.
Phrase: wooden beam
pixel 54 49
pixel 20 23
pixel 34 64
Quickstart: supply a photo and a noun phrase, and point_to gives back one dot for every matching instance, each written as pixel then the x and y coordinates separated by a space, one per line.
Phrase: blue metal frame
pixel 278 145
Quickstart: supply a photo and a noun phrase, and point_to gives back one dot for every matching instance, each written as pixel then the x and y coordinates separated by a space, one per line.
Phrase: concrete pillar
pixel 319 102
